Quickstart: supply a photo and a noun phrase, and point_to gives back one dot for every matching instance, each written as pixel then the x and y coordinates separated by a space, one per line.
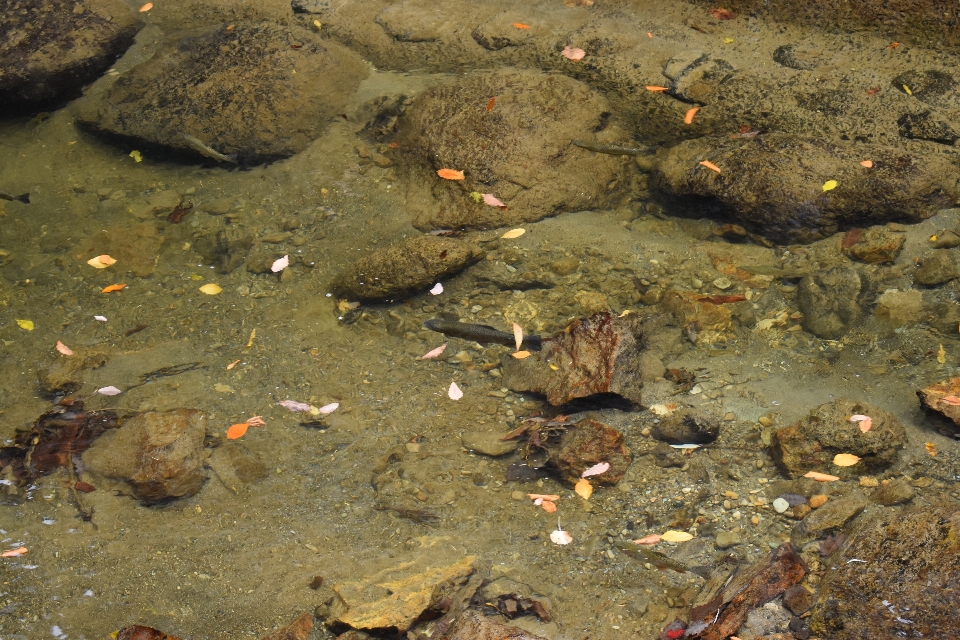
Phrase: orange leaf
pixel 520 355
pixel 649 34
pixel 951 400
pixel 450 174
pixel 867 163
pixel 654 88
pixel 722 14
pixel 112 288
pixel 710 165
pixel 688 118
pixel 520 25
pixel 931 448
pixel 490 104
pixel 583 488
pixel 548 506
pixel 13 553
pixel 820 477
pixel 146 7
pixel 893 46
pixel 237 430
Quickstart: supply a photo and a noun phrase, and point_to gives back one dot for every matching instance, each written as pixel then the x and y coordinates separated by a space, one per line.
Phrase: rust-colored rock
pixel 589 443
pixel 942 411
pixel 472 625
pixel 299 629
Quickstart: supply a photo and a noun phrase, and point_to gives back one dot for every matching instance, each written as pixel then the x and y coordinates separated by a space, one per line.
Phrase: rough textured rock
pixel 772 184
pixel 226 248
pixel 703 322
pixel 519 150
pixel 811 443
pixel 602 354
pixel 589 443
pixel 940 403
pixel 829 302
pixel 236 466
pixel 49 49
pixel 405 268
pixel 687 426
pixel 906 584
pixel 937 267
pixel 261 91
pixel 159 453
pixel 473 625
pixel 136 248
pixel 832 516
pixel 877 245
pixel 893 492
pixel 489 443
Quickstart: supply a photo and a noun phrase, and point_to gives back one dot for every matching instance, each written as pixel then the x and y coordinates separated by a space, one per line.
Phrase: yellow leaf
pixel 676 536
pixel 25 324
pixel 211 289
pixel 513 233
pixel 931 448
pixel 728 41
pixel 136 156
pixel 845 459
pixel 907 89
pixel 583 488
pixel 829 185
pixel 941 355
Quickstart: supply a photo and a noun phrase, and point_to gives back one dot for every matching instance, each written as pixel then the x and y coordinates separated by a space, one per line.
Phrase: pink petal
pixel 280 264
pixel 293 405
pixel 64 349
pixel 596 470
pixel 433 353
pixel 650 539
pixel 437 289
pixel 100 318
pixel 865 422
pixel 561 537
pixel 493 201
pixel 109 391
pixel 455 393
pixel 572 53
pixel 329 408
pixel 256 421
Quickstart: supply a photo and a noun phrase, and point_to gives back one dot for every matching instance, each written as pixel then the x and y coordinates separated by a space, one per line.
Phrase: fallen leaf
pixel 101 261
pixel 232 364
pixel 866 422
pixel 293 405
pixel 820 477
pixel 490 104
pixel 650 539
pixel 893 46
pixel 595 470
pixel 85 487
pixel 26 324
pixel 450 174
pixel 655 88
pixel 710 165
pixel 146 7
pixel 520 25
pixel 518 335
pixel 867 163
pixel 100 318
pixel 676 536
pixel 237 430
pixel 931 448
pixel 583 488
pixel 109 391
pixel 454 391
pixel 520 355
pixel 951 400
pixel 211 289
pixel 907 89
pixel 256 421
pixel 845 459
pixel 548 506
pixel 829 185
pixel 572 53
pixel 492 200
pixel 64 349
pixel 688 117
pixel 113 287
pixel 253 334
pixel 437 289
pixel 561 537
pixel 941 355
pixel 16 553
pixel 649 34
pixel 728 41
pixel 722 14
pixel 542 496
pixel 513 233
pixel 328 408
pixel 433 353
pixel 280 264
pixel 872 90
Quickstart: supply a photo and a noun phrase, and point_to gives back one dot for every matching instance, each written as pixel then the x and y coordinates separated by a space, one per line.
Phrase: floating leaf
pixel 280 264
pixel 583 488
pixel 211 289
pixel 109 391
pixel 450 174
pixel 64 349
pixel 492 200
pixel 595 470
pixel 866 422
pixel 676 536
pixel 113 287
pixel 513 233
pixel 867 163
pixel 437 289
pixel 454 391
pixel 433 353
pixel 829 185
pixel 688 117
pixel 101 261
pixel 520 355
pixel 650 539
pixel 845 459
pixel 572 53
pixel 293 405
pixel 656 89
pixel 237 430
pixel 820 477
pixel 710 165
pixel 26 324
pixel 560 537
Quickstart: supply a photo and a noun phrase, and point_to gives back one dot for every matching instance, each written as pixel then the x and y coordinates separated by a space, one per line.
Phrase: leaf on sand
pixel 113 287
pixel 520 25
pixel 450 174
pixel 655 88
pixel 101 261
pixel 829 185
pixel 492 200
pixel 676 536
pixel 513 233
pixel 722 14
pixel 433 353
pixel 688 117
pixel 867 163
pixel 146 7
pixel 109 391
pixel 26 325
pixel 64 349
pixel 14 553
pixel 583 488
pixel 437 289
pixel 293 405
pixel 280 264
pixel 454 391
pixel 710 165
pixel 518 335
pixel 595 470
pixel 520 355
pixel 560 537
pixel 931 448
pixel 845 459
pixel 492 102
pixel 820 477
pixel 650 539
pixel 237 430
pixel 211 289
pixel 573 53
pixel 866 422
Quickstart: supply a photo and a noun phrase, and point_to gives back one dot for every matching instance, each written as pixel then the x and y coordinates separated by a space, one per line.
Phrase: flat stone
pixel 488 443
pixel 894 492
pixel 944 415
pixel 727 539
pixel 832 516
pixel 588 443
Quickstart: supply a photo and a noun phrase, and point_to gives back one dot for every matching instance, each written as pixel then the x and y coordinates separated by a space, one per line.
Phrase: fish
pixel 203 149
pixel 24 198
pixel 614 150
pixel 481 333
pixel 661 561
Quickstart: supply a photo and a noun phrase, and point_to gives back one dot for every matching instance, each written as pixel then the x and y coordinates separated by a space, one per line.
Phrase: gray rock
pixel 260 90
pixel 51 48
pixel 488 443
pixel 937 267
pixel 829 302
pixel 727 539
pixel 894 492
pixel 832 516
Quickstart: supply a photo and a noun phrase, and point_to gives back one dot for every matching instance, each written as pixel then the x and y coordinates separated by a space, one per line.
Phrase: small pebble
pixel 729 416
pixel 869 481
pixel 780 505
pixel 765 421
pixel 722 283
pixel 818 500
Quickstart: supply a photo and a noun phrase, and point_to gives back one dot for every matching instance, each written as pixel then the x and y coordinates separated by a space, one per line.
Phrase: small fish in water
pixel 661 561
pixel 614 150
pixel 203 149
pixel 24 198
pixel 481 333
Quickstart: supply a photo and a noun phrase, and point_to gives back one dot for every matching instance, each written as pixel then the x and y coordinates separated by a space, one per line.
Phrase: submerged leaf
pixel 450 174
pixel 454 391
pixel 845 459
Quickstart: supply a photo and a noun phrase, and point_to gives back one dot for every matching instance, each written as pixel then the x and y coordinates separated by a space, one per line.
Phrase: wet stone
pixel 687 426
pixel 135 247
pixel 589 443
pixel 727 539
pixel 937 267
pixel 798 599
pixel 833 516
pixel 488 443
pixel 894 492
pixel 236 466
pixel 877 245
pixel 944 414
pixel 225 249
pixel 828 302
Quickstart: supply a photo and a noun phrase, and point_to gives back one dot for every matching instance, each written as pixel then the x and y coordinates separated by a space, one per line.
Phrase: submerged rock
pixel 687 426
pixel 405 268
pixel 49 49
pixel 940 402
pixel 261 91
pixel 829 302
pixel 591 442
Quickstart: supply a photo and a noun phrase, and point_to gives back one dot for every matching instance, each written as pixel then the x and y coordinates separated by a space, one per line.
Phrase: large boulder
pixel 49 49
pixel 261 91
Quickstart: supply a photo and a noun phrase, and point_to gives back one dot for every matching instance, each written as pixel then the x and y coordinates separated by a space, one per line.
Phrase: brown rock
pixel 832 516
pixel 894 492
pixel 299 629
pixel 798 599
pixel 136 248
pixel 687 426
pixel 877 245
pixel 472 625
pixel 160 453
pixel 589 443
pixel 944 414
pixel 702 322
